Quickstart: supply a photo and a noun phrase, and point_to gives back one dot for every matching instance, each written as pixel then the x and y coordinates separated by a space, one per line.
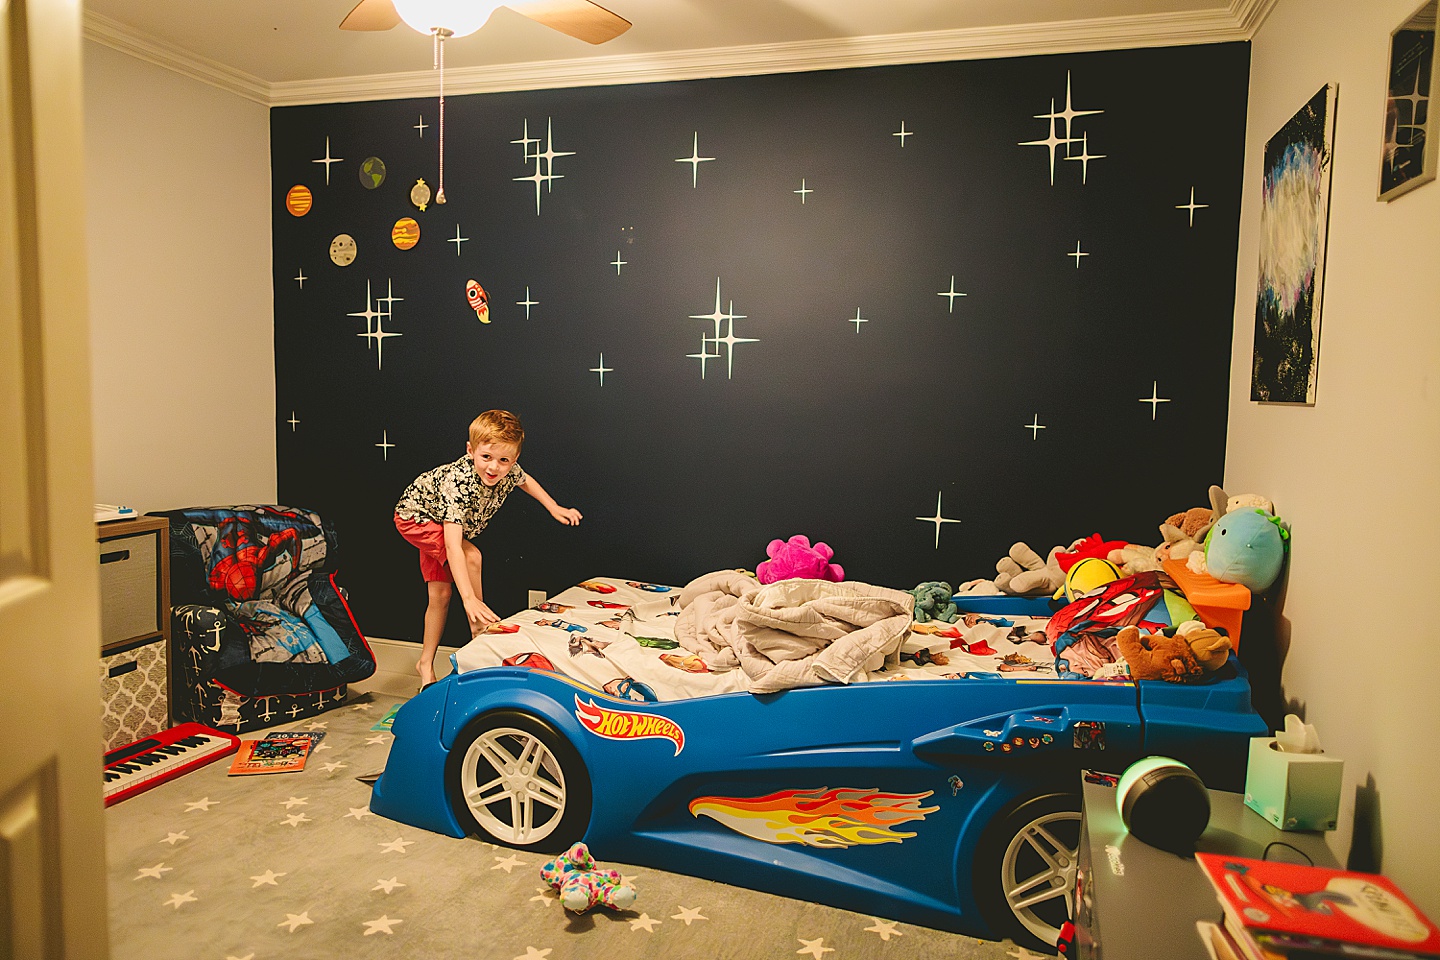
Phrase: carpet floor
pixel 294 866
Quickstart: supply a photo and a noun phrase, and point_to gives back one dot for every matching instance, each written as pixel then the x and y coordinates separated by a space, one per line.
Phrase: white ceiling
pixel 292 51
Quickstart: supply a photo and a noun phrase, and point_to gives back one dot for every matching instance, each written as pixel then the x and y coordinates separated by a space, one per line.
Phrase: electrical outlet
pixel 537 597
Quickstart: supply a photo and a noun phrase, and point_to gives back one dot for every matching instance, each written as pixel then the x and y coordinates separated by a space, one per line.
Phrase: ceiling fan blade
pixel 371 15
pixel 580 19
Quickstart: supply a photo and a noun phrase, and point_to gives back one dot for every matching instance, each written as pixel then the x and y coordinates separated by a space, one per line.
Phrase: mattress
pixel 618 636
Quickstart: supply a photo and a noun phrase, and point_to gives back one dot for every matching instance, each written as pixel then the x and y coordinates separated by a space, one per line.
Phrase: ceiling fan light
pixel 460 17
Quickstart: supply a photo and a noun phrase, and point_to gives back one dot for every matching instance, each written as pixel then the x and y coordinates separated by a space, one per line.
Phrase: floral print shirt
pixel 453 493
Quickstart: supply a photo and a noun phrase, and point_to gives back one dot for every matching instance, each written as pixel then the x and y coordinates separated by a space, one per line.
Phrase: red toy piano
pixel 136 767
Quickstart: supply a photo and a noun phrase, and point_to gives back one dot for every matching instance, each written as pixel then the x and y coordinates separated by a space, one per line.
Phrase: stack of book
pixel 284 751
pixel 1290 911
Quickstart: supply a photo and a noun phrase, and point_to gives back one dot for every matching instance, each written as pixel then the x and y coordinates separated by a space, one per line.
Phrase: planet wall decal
pixel 406 233
pixel 342 250
pixel 298 200
pixel 372 173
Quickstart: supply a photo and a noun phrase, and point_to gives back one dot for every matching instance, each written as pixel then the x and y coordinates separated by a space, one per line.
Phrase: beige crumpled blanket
pixel 793 633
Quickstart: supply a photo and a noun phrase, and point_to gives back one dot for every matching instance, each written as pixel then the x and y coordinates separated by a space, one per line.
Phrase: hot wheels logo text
pixel 627 725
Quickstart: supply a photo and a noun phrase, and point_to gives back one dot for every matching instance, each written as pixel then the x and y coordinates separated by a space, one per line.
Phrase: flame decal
pixel 842 817
pixel 627 724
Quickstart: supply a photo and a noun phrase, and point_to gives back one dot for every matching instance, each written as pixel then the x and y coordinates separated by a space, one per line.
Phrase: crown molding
pixel 117 36
pixel 1237 21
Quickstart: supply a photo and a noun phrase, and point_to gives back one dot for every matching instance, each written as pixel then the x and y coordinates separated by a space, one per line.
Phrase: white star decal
pixel 937 519
pixel 885 928
pixel 952 293
pixel 1154 399
pixel 175 838
pixel 387 885
pixel 508 863
pixel 688 914
pixel 646 921
pixel 1050 142
pixel 381 924
pixel 334 765
pixel 602 369
pixel 1192 206
pixel 378 738
pixel 1035 426
pixel 1020 953
pixel 816 948
pixel 396 846
pixel 268 877
pixel 546 896
pixel 296 802
pixel 532 954
pixel 204 805
pixel 327 160
pixel 154 871
pixel 694 160
pixel 903 133
pixel 358 813
pixel 176 899
pixel 803 191
pixel 295 920
pixel 295 819
pixel 320 724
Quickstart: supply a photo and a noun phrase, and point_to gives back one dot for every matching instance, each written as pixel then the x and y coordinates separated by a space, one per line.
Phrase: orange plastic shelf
pixel 1218 603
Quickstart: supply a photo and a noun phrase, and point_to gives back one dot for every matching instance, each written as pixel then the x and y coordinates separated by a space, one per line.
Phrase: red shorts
pixel 430 538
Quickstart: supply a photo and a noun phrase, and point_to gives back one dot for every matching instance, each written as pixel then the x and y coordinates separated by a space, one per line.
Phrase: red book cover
pixel 1295 907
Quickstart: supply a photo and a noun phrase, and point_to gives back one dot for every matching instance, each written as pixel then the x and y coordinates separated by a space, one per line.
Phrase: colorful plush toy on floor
pixel 796 559
pixel 581 884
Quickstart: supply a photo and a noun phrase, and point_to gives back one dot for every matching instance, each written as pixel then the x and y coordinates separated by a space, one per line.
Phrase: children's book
pixel 279 752
pixel 385 722
pixel 1291 909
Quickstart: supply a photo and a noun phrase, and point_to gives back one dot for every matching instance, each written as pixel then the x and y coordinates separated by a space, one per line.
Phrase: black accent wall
pixel 857 392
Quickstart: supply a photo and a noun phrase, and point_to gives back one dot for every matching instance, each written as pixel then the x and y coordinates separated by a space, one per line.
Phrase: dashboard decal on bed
pixel 628 725
pixel 842 817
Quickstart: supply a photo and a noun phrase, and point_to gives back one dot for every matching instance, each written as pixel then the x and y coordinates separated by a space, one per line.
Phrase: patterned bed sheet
pixel 619 636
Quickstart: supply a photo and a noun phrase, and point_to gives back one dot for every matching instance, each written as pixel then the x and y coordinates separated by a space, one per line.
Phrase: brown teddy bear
pixel 1156 656
pixel 1210 647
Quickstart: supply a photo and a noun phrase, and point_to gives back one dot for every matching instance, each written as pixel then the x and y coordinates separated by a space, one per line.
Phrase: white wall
pixel 1356 473
pixel 182 319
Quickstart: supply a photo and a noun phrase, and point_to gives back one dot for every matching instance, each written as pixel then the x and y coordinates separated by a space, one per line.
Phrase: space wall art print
pixel 1294 210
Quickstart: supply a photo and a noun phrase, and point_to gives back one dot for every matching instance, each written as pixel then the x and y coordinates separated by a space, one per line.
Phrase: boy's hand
pixel 479 615
pixel 566 515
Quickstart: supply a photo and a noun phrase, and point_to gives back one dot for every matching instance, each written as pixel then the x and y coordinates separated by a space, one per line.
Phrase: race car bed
pixel 937 783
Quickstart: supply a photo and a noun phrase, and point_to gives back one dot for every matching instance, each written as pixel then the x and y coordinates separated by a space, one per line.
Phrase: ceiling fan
pixel 580 19
pixel 445 19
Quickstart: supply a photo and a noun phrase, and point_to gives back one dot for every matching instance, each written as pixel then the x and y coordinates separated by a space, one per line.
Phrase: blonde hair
pixel 497 426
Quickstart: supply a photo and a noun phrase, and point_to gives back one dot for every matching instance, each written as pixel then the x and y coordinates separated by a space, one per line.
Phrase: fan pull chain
pixel 439 63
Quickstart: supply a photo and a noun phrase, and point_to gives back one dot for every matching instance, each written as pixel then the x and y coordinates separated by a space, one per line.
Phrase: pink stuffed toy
pixel 796 559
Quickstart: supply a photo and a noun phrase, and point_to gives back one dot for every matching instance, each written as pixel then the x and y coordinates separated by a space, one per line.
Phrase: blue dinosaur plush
pixel 934 600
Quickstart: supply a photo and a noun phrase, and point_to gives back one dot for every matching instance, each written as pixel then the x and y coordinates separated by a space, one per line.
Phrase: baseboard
pixel 395 667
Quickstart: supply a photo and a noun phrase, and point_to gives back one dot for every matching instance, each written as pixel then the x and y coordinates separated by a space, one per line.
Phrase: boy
pixel 443 509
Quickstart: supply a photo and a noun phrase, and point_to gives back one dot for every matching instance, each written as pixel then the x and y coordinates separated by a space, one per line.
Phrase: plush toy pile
pixel 582 884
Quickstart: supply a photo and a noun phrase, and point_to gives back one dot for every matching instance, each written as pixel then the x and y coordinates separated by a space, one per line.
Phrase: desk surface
pixel 1141 898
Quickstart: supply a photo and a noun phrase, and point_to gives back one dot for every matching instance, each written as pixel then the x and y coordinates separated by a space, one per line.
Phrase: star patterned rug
pixel 294 866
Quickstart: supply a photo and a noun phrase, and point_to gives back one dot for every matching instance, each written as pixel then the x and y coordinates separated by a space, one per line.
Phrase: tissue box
pixel 1294 791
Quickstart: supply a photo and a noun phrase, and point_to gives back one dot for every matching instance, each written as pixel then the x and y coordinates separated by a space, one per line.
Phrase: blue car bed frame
pixel 948 804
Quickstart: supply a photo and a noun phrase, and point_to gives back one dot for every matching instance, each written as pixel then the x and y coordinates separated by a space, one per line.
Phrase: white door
pixel 52 836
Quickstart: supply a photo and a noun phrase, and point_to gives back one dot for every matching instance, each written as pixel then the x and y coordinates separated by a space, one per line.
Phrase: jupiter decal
pixel 842 817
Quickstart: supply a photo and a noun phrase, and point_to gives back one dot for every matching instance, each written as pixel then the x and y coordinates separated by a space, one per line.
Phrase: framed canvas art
pixel 1409 157
pixel 1294 210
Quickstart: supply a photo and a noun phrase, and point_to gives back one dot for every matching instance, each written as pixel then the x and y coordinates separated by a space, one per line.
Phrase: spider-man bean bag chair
pixel 261 633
